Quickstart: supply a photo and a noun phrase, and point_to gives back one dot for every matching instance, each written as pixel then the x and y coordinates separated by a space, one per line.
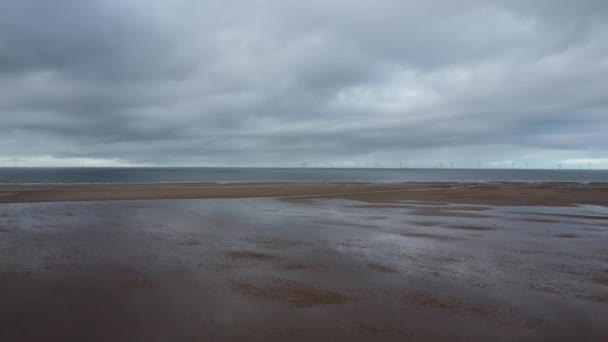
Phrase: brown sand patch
pixel 567 236
pixel 252 255
pixel 381 267
pixel 552 194
pixel 489 312
pixel 425 203
pixel 140 282
pixel 294 265
pixel 467 208
pixel 536 219
pixel 602 278
pixel 575 216
pixel 425 300
pixel 377 206
pixel 294 293
pixel 469 227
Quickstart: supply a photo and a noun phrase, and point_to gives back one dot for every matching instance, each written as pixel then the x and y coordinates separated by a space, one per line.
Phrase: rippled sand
pixel 321 269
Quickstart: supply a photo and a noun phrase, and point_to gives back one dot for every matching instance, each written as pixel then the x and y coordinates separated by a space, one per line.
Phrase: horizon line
pixel 298 167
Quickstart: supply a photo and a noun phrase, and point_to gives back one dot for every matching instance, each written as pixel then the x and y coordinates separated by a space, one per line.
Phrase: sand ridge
pixel 379 194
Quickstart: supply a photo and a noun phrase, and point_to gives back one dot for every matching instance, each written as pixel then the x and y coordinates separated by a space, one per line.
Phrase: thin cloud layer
pixel 286 83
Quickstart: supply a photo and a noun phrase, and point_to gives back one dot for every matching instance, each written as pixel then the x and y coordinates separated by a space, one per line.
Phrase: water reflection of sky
pixel 527 256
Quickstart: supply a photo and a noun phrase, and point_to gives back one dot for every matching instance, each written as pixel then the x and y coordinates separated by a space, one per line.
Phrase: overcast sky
pixel 282 83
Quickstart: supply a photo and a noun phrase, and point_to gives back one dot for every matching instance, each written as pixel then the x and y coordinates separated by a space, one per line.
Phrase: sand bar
pixel 470 193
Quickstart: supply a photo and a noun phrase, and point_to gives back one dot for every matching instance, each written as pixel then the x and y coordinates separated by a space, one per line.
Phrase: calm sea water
pixel 220 175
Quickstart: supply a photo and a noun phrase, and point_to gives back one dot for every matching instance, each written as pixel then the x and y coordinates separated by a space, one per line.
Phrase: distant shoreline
pixel 159 176
pixel 491 193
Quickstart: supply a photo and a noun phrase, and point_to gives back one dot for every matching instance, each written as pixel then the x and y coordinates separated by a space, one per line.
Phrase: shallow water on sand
pixel 265 269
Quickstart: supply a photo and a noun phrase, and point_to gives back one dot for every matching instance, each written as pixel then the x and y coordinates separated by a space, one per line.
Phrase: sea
pixel 318 175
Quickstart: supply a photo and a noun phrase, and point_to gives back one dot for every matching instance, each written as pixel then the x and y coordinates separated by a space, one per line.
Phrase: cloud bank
pixel 287 83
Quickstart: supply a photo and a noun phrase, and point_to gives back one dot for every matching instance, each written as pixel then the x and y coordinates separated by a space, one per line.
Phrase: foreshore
pixel 339 262
pixel 550 194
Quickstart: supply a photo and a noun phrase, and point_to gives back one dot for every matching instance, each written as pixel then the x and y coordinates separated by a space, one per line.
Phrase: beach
pixel 475 193
pixel 304 262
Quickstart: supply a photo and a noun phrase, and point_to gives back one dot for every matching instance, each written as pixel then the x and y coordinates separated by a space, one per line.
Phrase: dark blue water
pixel 220 175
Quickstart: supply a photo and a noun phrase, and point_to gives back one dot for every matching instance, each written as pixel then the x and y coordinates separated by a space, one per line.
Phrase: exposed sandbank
pixel 469 193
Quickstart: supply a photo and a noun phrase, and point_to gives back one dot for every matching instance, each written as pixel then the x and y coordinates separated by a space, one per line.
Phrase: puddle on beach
pixel 260 269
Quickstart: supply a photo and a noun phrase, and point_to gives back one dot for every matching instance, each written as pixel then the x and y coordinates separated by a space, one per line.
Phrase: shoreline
pixel 492 193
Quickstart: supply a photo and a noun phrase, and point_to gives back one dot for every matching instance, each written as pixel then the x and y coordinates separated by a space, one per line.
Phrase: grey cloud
pixel 280 82
pixel 95 39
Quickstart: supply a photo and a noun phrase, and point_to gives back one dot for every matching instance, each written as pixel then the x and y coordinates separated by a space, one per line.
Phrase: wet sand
pixel 469 193
pixel 438 264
